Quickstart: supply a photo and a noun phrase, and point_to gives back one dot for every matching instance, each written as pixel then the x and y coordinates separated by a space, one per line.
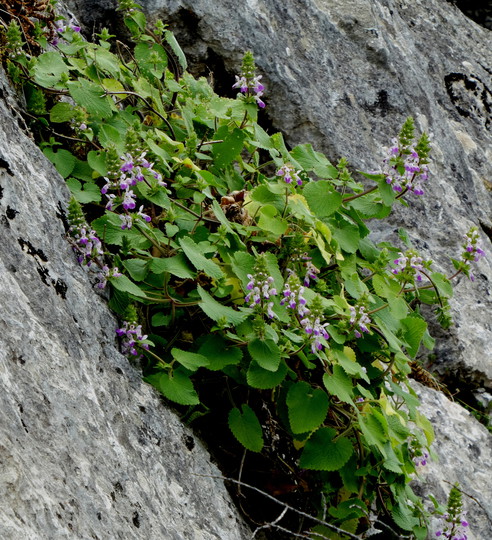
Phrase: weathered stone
pixel 87 450
pixel 464 450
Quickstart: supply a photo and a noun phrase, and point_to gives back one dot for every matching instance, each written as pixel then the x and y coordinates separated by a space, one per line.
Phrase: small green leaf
pixel 347 236
pixel 322 198
pixel 216 311
pixel 323 453
pixel 97 160
pixel 269 222
pixel 307 407
pixel 190 360
pixel 246 427
pixel 310 160
pixel 265 379
pixel 265 352
pixel 151 58
pixel 194 254
pixel 175 385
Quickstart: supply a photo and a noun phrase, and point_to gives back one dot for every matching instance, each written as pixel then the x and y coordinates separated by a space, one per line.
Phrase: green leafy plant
pixel 238 263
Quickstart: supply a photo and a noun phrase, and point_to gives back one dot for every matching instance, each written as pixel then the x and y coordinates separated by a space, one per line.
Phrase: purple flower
pixel 126 221
pixel 472 249
pixel 261 289
pixel 132 339
pixel 140 213
pixel 359 318
pixel 409 266
pixel 129 200
pixel 403 169
pixel 293 295
pixel 106 273
pixel 289 174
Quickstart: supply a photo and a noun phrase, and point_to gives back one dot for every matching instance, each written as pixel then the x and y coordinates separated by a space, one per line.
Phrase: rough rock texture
pixel 464 450
pixel 87 450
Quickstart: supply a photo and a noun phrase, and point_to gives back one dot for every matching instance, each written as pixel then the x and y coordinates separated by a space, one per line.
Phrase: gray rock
pixel 87 450
pixel 464 454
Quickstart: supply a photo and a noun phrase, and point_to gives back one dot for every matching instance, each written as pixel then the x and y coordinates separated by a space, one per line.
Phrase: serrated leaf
pixel 265 379
pixel 169 36
pixel 323 200
pixel 403 517
pixel 372 429
pixel 307 407
pixel 216 311
pixel 225 152
pixel 194 254
pixel 61 112
pixel 246 427
pixel 414 330
pixel 339 384
pixel 91 96
pixel 218 354
pixel 265 352
pixel 137 268
pixel 108 229
pixel 177 266
pixel 151 58
pixel 190 360
pixel 124 284
pixel 175 386
pixel 48 69
pixel 322 453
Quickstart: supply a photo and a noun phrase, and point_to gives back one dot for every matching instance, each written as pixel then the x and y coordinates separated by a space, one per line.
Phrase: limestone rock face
pixel 464 451
pixel 86 448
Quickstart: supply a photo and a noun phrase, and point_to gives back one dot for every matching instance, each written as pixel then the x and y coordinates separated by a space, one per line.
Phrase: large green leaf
pixel 137 268
pixel 124 284
pixel 265 352
pixel 92 97
pixel 322 198
pixel 87 193
pixel 307 407
pixel 177 266
pixel 218 354
pixel 175 385
pixel 169 36
pixel 339 384
pixel 108 229
pixel 151 58
pixel 228 150
pixel 246 427
pixel 415 328
pixel 48 69
pixel 62 112
pixel 323 453
pixel 264 379
pixel 194 254
pixel 63 160
pixel 218 312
